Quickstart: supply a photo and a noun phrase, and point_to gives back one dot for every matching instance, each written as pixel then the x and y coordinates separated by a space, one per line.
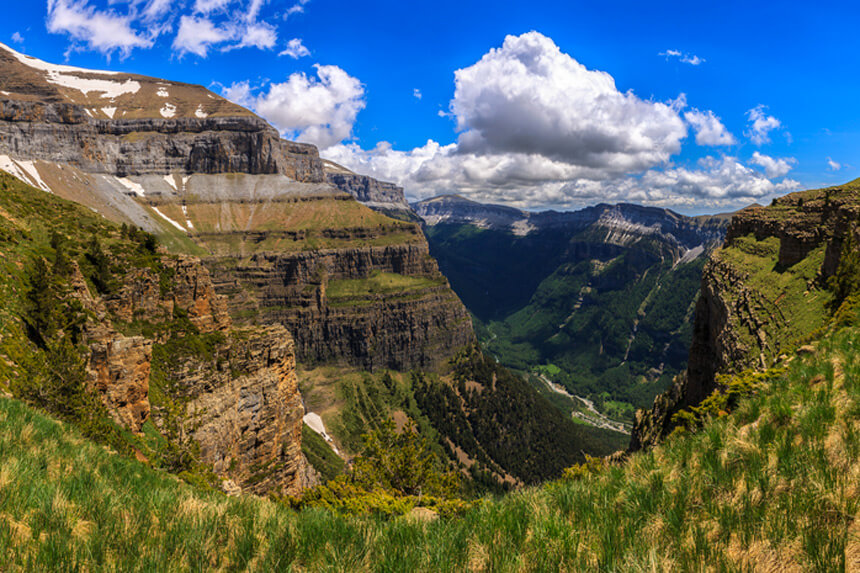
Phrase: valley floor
pixel 772 486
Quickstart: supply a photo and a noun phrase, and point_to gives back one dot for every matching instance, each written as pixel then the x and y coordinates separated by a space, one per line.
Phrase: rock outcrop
pixel 381 196
pixel 418 325
pixel 762 292
pixel 241 401
pixel 64 133
pixel 279 223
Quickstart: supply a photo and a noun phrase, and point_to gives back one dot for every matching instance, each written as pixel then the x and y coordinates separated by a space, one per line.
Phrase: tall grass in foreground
pixel 776 484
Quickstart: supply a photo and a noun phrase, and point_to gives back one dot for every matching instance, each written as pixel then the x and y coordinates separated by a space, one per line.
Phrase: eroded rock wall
pixel 242 405
pixel 416 328
pixel 64 133
pixel 736 326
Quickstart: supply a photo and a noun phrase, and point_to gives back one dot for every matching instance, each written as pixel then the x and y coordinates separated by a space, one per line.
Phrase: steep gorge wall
pixel 417 326
pixel 241 404
pixel 64 133
pixel 748 314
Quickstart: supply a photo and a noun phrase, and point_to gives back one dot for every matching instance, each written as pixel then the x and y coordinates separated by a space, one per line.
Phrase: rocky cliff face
pixel 64 133
pixel 381 196
pixel 762 292
pixel 339 309
pixel 241 402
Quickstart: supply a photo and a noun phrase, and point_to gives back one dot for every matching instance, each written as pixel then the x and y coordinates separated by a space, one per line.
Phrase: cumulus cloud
pixel 416 93
pixel 18 38
pixel 691 59
pixel 709 129
pixel 256 35
pixel 834 166
pixel 295 49
pixel 773 167
pixel 102 30
pixel 760 125
pixel 525 182
pixel 539 130
pixel 320 110
pixel 529 97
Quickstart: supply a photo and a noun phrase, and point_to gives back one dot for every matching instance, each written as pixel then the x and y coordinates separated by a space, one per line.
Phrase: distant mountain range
pixel 600 299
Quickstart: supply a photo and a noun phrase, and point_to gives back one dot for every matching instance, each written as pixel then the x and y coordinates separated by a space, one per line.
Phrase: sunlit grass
pixel 774 484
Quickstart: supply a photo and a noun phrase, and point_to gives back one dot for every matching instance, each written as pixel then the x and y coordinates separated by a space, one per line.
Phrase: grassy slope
pixel 319 223
pixel 795 304
pixel 774 484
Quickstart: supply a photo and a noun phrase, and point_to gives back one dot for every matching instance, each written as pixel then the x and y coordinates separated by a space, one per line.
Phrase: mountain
pixel 214 180
pixel 599 300
pixel 764 293
pixel 325 306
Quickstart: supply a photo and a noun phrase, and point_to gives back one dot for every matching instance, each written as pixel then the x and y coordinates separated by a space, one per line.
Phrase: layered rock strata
pixel 241 403
pixel 419 325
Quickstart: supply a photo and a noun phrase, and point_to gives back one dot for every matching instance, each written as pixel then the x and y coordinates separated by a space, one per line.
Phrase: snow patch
pixel 135 188
pixel 168 111
pixel 169 179
pixel 200 113
pixel 316 424
pixel 169 220
pixel 69 77
pixel 109 111
pixel 162 92
pixel 188 222
pixel 33 173
pixel 24 170
pixel 89 113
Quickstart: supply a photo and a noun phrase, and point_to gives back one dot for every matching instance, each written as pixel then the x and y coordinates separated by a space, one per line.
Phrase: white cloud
pixel 761 125
pixel 123 25
pixel 773 166
pixel 18 38
pixel 197 35
pixel 534 182
pixel 257 35
pixel 538 129
pixel 691 59
pixel 297 8
pixel 834 166
pixel 709 129
pixel 295 49
pixel 416 93
pixel 319 110
pixel 102 31
pixel 209 6
pixel 156 9
pixel 529 97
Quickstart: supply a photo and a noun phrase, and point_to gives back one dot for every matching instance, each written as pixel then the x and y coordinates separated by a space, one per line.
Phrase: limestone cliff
pixel 282 229
pixel 381 196
pixel 762 293
pixel 240 401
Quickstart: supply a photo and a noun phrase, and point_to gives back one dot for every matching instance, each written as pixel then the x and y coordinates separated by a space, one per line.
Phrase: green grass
pixel 787 301
pixel 378 283
pixel 320 455
pixel 776 483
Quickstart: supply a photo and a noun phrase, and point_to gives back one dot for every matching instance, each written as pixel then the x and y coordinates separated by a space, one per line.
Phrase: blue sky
pixel 695 106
